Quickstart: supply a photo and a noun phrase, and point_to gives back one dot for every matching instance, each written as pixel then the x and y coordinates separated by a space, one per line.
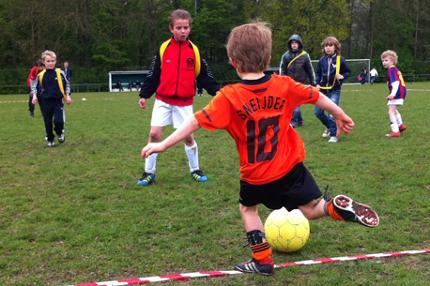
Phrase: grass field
pixel 73 213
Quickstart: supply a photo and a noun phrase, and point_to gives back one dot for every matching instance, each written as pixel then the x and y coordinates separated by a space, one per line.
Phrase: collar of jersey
pixel 261 80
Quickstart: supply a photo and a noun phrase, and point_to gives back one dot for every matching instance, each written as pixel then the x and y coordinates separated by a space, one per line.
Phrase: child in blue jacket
pixel 330 73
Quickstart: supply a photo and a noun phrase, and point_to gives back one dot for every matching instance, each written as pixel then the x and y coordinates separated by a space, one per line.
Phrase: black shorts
pixel 295 189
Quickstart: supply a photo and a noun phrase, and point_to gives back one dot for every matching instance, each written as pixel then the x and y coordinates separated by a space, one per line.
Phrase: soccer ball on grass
pixel 286 231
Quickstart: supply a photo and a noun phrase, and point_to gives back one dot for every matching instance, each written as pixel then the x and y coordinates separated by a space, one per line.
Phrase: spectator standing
pixel 296 63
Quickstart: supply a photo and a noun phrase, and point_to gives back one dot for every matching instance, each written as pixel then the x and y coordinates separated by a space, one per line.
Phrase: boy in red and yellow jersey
pixel 397 89
pixel 174 72
pixel 257 114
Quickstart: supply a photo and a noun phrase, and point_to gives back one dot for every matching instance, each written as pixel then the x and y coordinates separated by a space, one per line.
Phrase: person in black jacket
pixel 54 87
pixel 296 63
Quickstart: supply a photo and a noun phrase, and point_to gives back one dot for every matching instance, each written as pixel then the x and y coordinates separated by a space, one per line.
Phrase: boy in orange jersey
pixel 257 114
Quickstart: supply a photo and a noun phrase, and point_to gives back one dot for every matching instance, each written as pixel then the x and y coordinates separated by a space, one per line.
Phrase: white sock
pixel 193 156
pixel 399 118
pixel 151 163
pixel 394 127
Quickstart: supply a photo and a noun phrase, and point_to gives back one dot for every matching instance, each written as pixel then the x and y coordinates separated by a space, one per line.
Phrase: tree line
pixel 97 36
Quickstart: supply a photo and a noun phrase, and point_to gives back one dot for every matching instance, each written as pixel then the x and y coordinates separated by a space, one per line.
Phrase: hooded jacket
pixel 300 69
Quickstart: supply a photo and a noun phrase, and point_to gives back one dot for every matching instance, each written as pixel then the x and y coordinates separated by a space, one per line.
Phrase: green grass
pixel 73 213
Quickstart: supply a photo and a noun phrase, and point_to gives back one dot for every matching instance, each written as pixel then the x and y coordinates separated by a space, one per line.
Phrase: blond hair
pixel 390 54
pixel 179 14
pixel 48 53
pixel 250 47
pixel 329 41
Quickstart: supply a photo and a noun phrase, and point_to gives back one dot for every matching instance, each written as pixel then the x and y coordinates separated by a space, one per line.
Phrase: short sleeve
pixel 215 115
pixel 301 94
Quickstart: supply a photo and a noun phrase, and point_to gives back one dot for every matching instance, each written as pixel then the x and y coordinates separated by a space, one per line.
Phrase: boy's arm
pixel 151 82
pixel 343 121
pixel 206 79
pixel 33 88
pixel 344 69
pixel 67 87
pixel 187 128
pixel 394 87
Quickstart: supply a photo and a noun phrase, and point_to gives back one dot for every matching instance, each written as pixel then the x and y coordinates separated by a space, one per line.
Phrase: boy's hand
pixel 34 99
pixel 68 99
pixel 344 123
pixel 340 77
pixel 390 97
pixel 152 148
pixel 142 103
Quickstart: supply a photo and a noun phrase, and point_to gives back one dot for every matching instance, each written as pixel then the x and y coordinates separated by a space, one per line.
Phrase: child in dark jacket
pixel 54 87
pixel 331 71
pixel 296 64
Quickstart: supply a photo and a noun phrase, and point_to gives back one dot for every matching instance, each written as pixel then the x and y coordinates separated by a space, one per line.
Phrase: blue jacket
pixel 326 70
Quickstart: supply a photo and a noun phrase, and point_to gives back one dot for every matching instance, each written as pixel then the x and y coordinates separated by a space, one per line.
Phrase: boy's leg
pixel 341 208
pixel 30 105
pixel 299 118
pixel 59 118
pixel 192 152
pixel 402 126
pixel 179 115
pixel 148 177
pixel 161 116
pixel 335 97
pixel 344 208
pixel 48 112
pixel 392 114
pixel 262 261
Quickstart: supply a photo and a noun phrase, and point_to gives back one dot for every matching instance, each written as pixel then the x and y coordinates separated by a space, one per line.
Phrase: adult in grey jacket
pixel 296 64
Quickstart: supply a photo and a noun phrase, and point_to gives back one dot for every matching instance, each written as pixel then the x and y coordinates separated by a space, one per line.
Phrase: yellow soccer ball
pixel 287 231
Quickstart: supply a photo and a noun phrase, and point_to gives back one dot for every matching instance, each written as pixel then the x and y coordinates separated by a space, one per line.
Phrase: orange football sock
pixel 332 212
pixel 261 251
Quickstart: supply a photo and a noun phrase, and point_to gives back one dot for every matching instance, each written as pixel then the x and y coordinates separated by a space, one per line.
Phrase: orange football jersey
pixel 258 117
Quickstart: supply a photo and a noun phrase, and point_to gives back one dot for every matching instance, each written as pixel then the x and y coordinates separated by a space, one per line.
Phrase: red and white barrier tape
pixel 191 275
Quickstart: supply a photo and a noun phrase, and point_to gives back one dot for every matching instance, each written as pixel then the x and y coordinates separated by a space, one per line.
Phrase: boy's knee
pixel 154 137
pixel 189 141
pixel 247 210
pixel 312 210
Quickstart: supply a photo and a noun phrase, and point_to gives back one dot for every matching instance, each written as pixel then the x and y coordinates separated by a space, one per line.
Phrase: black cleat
pixel 355 212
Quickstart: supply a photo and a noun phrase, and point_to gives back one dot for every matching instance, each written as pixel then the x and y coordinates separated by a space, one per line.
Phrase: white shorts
pixel 398 101
pixel 164 114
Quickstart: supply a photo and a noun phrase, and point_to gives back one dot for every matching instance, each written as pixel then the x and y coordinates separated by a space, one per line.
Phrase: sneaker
pixel 393 134
pixel 333 139
pixel 253 266
pixel 61 139
pixel 326 133
pixel 146 180
pixel 32 114
pixel 199 176
pixel 355 212
pixel 402 127
pixel 50 143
